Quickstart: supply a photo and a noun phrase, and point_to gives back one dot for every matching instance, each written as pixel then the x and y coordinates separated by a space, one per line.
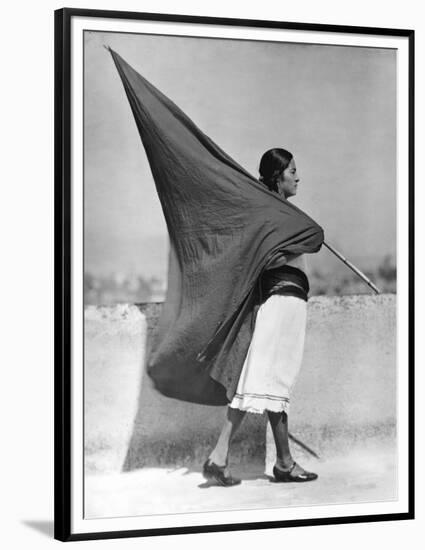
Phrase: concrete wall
pixel 344 396
pixel 113 354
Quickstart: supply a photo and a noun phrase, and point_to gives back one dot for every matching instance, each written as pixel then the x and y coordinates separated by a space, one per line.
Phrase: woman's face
pixel 288 182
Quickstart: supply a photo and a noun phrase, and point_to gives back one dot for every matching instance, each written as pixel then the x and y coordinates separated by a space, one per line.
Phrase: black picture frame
pixel 63 260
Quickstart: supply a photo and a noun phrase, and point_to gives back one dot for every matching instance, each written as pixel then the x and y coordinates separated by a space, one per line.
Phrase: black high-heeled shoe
pixel 211 471
pixel 286 476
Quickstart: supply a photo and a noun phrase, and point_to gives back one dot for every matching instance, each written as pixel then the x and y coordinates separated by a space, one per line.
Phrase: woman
pixel 275 352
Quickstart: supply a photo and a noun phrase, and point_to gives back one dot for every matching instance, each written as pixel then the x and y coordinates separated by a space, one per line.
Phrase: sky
pixel 333 107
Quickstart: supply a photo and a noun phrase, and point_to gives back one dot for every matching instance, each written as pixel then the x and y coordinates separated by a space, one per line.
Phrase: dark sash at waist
pixel 285 281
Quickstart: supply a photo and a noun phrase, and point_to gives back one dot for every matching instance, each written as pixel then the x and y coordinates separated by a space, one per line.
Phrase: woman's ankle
pixel 284 463
pixel 218 460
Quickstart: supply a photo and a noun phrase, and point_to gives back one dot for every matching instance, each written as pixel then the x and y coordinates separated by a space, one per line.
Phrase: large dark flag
pixel 224 227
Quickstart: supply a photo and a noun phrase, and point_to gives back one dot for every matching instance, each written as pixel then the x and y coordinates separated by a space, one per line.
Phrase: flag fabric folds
pixel 224 227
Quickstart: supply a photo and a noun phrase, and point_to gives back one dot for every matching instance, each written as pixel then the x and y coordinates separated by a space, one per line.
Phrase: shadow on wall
pixel 172 432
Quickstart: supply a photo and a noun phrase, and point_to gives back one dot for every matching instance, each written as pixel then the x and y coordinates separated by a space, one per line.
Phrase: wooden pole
pixel 303 445
pixel 352 267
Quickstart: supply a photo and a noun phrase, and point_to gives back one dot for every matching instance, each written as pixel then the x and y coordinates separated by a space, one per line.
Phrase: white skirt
pixel 274 356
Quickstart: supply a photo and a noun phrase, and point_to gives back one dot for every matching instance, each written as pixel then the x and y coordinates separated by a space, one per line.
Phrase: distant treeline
pixel 384 276
pixel 130 288
pixel 117 288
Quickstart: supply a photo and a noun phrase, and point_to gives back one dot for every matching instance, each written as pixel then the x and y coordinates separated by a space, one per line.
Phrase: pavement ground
pixel 362 476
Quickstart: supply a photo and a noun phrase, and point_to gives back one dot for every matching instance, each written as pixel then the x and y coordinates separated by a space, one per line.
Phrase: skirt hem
pixel 259 406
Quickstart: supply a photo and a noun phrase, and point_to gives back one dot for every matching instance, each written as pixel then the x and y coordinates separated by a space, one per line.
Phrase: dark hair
pixel 272 164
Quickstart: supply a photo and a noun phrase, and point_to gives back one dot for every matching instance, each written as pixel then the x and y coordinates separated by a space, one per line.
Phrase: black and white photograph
pixel 239 274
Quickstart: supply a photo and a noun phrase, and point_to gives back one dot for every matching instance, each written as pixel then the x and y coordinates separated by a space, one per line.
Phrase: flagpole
pixel 352 267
